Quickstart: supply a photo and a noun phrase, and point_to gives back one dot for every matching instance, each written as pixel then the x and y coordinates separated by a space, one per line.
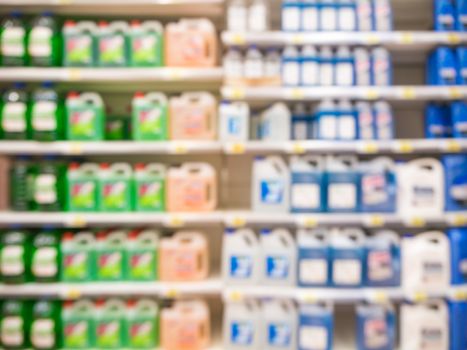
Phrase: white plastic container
pixel 364 17
pixel 272 64
pixel 233 64
pixel 278 258
pixel 383 16
pixel 234 121
pixel 313 257
pixel 425 326
pixel 326 67
pixel 270 185
pixel 290 67
pixel 276 123
pixel 310 16
pixel 291 15
pixel 237 14
pixel 362 67
pixel 279 323
pixel 258 15
pixel 344 67
pixel 420 187
pixel 346 16
pixel 328 14
pixel 242 326
pixel 426 262
pixel 241 257
pixel 254 64
pixel 347 121
pixel 310 66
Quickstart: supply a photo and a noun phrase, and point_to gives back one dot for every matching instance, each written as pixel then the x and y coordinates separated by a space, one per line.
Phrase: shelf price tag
pixel 72 293
pixel 368 147
pixel 379 297
pixel 374 221
pixel 307 222
pixel 64 2
pixel 296 148
pixel 74 74
pixel 295 94
pixel 371 94
pixel 454 93
pixel 236 222
pixel 238 39
pixel 174 74
pixel 419 297
pixel 171 293
pixel 234 296
pixel 408 93
pixel 77 221
pixel 75 148
pixel 372 39
pixel 297 39
pixel 458 220
pixel 178 148
pixel 460 295
pixel 453 38
pixel 404 147
pixel 453 146
pixel 235 148
pixel 236 93
pixel 417 221
pixel 406 38
pixel 309 298
pixel 174 221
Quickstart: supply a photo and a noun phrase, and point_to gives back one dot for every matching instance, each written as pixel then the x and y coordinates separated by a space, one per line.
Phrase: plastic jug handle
pixel 157 97
pixel 434 237
pixel 212 194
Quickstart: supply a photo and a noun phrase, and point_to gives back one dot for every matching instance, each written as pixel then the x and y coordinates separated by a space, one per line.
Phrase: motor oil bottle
pixel 15 321
pixel 254 64
pixel 424 326
pixel 149 117
pixel 365 122
pixel 381 67
pixel 291 66
pixel 115 187
pixel 383 260
pixel 276 123
pixel 458 245
pixel 146 44
pixel 234 121
pixel 437 121
pixel 291 16
pixel 142 255
pixel 112 45
pixel 237 15
pixel 47 119
pixel 307 188
pixel 279 325
pixel 191 43
pixel 343 184
pixel 241 325
pixel 426 262
pixel 344 75
pixel 316 327
pixel 79 44
pixel 459 119
pixel 78 324
pixel 142 318
pixel 314 258
pixel 85 117
pixel 82 187
pixel 362 60
pixel 457 322
pixel 192 187
pixel 48 187
pixel 326 120
pixel 186 325
pixel 13 41
pixel 270 185
pixel 45 325
pixel 384 121
pixel 346 15
pixel 20 184
pixel 444 15
pixel 376 327
pixel 347 257
pixel 149 180
pixel 383 17
pixel 78 257
pixel 279 258
pixel 45 256
pixel 310 16
pixel 184 257
pixel 110 328
pixel 365 15
pixel 15 114
pixel 15 257
pixel 44 41
pixel 327 67
pixel 111 255
pixel 301 128
pixel 455 182
pixel 240 257
pixel 347 122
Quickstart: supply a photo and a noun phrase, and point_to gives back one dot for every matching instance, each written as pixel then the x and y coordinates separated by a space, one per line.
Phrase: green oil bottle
pixel 45 261
pixel 45 325
pixel 44 41
pixel 14 324
pixel 47 122
pixel 15 256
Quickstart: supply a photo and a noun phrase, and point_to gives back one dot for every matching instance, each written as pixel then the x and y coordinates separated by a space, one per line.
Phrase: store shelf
pixel 229 219
pixel 210 8
pixel 169 290
pixel 394 93
pixel 95 75
pixel 340 295
pixel 73 148
pixel 406 41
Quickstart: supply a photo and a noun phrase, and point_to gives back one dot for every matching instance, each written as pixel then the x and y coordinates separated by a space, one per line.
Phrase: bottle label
pixel 310 73
pixel 44 262
pixel 277 267
pixel 310 18
pixel 40 42
pixel 379 265
pixel 291 18
pixel 342 196
pixel 374 189
pixel 431 338
pixel 145 48
pixel 110 265
pixel 347 18
pixel 242 333
pixel 306 196
pixel 291 73
pixel 142 265
pixel 142 334
pixel 328 127
pixel 254 68
pixel 79 49
pixel 241 266
pixel 150 194
pixel 279 334
pixel 347 271
pixel 114 195
pixel 233 125
pixel 313 337
pixel 12 331
pixel 82 195
pixel 12 260
pixel 313 271
pixel 326 74
pixel 43 116
pixel 108 334
pixel 75 266
pixel 45 189
pixel 424 196
pixel 14 117
pixel 233 68
pixel 43 334
pixel 12 42
pixel 344 74
pixel 82 123
pixel 272 191
pixel 150 120
pixel 195 122
pixel 328 18
pixel 433 272
pixel 112 49
pixel 376 333
pixel 347 127
pixel 76 334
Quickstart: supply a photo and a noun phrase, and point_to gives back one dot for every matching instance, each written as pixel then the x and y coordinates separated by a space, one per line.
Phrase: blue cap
pixel 259 157
pixel 265 231
pixel 19 85
pixel 229 231
pixel 47 13
pixel 50 157
pixel 47 84
pixel 15 13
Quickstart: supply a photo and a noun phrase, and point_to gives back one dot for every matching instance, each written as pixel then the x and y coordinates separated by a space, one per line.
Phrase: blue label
pixel 241 266
pixel 233 126
pixel 272 191
pixel 279 334
pixel 277 267
pixel 241 333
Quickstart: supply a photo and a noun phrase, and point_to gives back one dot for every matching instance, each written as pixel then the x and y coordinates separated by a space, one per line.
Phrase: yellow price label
pixel 406 38
pixel 237 221
pixel 297 39
pixel 175 221
pixel 375 221
pixel 460 295
pixel 64 2
pixel 455 93
pixel 74 74
pixel 371 94
pixel 77 221
pixel 296 94
pixel 236 93
pixel 171 293
pixel 309 298
pixel 454 38
pixel 72 293
pixel 459 220
pixel 453 146
pixel 235 296
pixel 420 296
pixel 369 147
pixel 238 39
pixel 75 148
pixel 236 148
pixel 404 147
pixel 379 297
pixel 174 74
pixel 417 221
pixel 298 148
pixel 179 148
pixel 372 39
pixel 408 93
pixel 308 222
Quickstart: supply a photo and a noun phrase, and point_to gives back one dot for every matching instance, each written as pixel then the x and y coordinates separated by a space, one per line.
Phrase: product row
pixel 107 255
pixel 341 184
pixel 445 121
pixel 89 187
pixel 43 116
pixel 447 66
pixel 279 324
pixel 337 15
pixel 42 42
pixel 450 15
pixel 105 324
pixel 310 66
pixel 345 258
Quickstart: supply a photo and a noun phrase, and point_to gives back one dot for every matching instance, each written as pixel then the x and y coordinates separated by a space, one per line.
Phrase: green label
pixel 14 117
pixel 142 265
pixel 12 331
pixel 76 334
pixel 82 123
pixel 44 262
pixel 75 266
pixel 108 334
pixel 150 120
pixel 114 195
pixel 45 189
pixel 43 116
pixel 110 265
pixel 82 195
pixel 151 195
pixel 43 333
pixel 40 42
pixel 144 49
pixel 12 260
pixel 112 49
pixel 12 42
pixel 79 49
pixel 142 334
